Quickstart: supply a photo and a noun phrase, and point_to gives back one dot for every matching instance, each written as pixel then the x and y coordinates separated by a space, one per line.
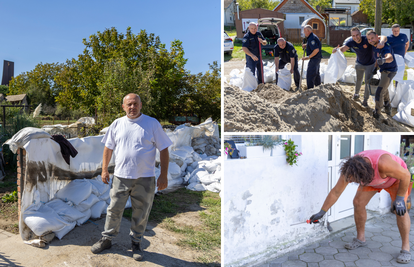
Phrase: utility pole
pixel 378 15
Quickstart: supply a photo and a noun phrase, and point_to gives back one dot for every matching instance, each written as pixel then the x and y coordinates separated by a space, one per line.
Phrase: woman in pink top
pixel 374 170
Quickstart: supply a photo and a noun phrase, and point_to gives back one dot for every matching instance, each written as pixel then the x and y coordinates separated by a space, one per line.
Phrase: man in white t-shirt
pixel 133 140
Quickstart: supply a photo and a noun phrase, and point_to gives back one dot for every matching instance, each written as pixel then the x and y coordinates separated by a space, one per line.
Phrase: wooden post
pixel 68 120
pixel 378 15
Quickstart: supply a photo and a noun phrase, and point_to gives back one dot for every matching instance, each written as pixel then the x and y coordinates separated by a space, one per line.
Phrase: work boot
pixel 356 96
pixel 137 251
pixel 365 103
pixel 388 109
pixel 375 114
pixel 101 245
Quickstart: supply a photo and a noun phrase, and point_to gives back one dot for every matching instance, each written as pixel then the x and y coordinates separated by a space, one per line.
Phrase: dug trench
pixel 326 108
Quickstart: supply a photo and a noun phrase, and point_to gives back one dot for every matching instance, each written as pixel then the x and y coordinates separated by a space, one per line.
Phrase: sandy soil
pixel 74 248
pixel 326 108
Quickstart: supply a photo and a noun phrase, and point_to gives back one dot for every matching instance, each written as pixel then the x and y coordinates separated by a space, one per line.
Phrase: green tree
pixel 321 3
pixel 39 84
pixel 4 89
pixel 391 11
pixel 251 4
pixel 113 64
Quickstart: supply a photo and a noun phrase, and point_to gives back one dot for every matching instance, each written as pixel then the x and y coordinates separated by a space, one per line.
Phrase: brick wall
pixel 21 168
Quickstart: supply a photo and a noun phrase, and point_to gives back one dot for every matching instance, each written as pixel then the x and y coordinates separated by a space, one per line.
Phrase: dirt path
pixel 74 249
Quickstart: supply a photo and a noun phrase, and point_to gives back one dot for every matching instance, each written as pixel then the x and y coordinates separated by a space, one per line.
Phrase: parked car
pixel 228 44
pixel 270 31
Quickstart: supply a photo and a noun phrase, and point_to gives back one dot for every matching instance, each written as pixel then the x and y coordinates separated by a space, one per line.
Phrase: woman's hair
pixel 357 170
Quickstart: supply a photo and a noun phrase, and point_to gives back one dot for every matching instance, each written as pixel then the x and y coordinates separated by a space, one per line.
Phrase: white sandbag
pixel 305 68
pixel 410 74
pixel 408 89
pixel 349 75
pixel 174 169
pixel 269 72
pixel 234 73
pixel 196 156
pixel 105 195
pixel 209 166
pixel 67 212
pixel 87 203
pixel 249 81
pixel 128 203
pixel 401 67
pixel 106 208
pixel 87 215
pixel 284 79
pixel 76 191
pixel 207 179
pixel 97 209
pixel 336 67
pixel 99 187
pixel 25 135
pixel 61 233
pixel 175 182
pixel 195 186
pixel 197 175
pixel 189 160
pixel 180 154
pixel 214 187
pixel 42 219
pixel 397 94
pixel 236 81
pixel 184 167
pixel 188 149
pixel 87 120
pixel 108 201
pixel 409 59
pixel 406 105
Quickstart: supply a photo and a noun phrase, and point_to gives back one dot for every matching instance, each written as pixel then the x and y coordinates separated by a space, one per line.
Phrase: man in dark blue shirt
pixel 314 52
pixel 388 67
pixel 398 41
pixel 250 46
pixel 365 62
pixel 287 54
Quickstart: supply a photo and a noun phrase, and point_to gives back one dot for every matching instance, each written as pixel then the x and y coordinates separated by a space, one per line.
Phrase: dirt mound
pixel 326 108
pixel 271 92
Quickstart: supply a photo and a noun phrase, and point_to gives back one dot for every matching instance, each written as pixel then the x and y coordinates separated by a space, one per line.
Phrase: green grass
pixel 206 236
pixel 239 54
pixel 231 31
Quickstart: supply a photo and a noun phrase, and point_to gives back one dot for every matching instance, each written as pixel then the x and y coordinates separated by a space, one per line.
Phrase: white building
pixel 229 10
pixel 353 5
pixel 264 196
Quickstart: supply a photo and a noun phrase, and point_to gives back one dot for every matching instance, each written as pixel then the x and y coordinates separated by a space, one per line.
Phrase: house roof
pixel 12 98
pixel 227 3
pixel 355 12
pixel 279 6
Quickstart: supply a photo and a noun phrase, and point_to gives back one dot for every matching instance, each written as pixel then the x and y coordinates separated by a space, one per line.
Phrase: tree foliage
pixel 321 3
pixel 251 4
pixel 4 89
pixel 39 84
pixel 391 11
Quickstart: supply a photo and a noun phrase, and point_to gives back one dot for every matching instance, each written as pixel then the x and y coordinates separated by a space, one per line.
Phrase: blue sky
pixel 32 32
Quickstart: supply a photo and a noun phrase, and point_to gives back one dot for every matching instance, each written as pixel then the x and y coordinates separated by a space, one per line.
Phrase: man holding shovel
pixel 365 62
pixel 287 54
pixel 385 60
pixel 251 48
pixel 374 170
pixel 314 52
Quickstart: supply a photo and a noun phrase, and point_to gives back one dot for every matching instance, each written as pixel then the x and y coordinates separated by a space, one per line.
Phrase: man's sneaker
pixel 375 115
pixel 388 109
pixel 101 245
pixel 356 97
pixel 137 251
pixel 365 103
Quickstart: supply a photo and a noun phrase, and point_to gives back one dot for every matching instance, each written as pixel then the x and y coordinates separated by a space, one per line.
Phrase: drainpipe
pixel 238 15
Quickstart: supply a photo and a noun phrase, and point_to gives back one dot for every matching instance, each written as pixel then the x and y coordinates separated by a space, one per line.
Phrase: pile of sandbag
pixel 404 97
pixel 71 130
pixel 72 205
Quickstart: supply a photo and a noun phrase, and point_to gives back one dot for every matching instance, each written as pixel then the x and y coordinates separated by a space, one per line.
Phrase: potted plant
pixel 228 150
pixel 290 151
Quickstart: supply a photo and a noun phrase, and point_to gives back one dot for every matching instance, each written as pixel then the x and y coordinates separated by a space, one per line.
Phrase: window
pixel 345 146
pixel 315 26
pixel 359 144
pixel 239 139
pixel 330 147
pixel 301 20
pixel 337 21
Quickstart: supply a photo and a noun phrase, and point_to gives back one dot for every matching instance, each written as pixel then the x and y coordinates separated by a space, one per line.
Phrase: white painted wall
pixel 229 16
pixel 264 196
pixel 292 19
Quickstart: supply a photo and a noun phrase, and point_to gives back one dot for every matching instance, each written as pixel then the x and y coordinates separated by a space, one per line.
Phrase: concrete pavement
pixel 383 247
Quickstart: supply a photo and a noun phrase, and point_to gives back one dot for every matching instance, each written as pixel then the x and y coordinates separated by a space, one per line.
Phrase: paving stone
pixel 349 263
pixel 395 263
pixel 373 229
pixel 264 265
pixel 380 256
pixel 309 250
pixel 382 239
pixel 326 250
pixel 312 246
pixel 346 257
pixel 294 264
pixel 396 243
pixel 324 244
pixel 293 257
pixel 279 260
pixel 348 239
pixel 331 263
pixel 385 263
pixel 367 263
pixel 372 244
pixel 311 257
pixel 275 265
pixel 375 249
pixel 391 233
pixel 390 249
pixel 337 244
pixel 342 250
pixel 313 264
pixel 363 256
pixel 328 257
pixel 360 251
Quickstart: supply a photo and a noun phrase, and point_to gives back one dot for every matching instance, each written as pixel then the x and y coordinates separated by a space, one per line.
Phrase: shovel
pixel 261 62
pixel 301 72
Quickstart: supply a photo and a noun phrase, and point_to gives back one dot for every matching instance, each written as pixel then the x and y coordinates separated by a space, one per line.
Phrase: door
pixel 341 147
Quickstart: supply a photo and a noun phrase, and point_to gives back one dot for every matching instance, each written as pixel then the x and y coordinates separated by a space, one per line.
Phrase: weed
pixel 12 197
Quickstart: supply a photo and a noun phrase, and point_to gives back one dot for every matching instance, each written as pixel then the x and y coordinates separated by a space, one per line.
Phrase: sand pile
pixel 326 108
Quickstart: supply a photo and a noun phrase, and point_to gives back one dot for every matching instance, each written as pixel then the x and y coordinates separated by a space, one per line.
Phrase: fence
pixel 293 35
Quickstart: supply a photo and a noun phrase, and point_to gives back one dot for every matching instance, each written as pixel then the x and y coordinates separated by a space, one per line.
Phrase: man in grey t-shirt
pixel 133 140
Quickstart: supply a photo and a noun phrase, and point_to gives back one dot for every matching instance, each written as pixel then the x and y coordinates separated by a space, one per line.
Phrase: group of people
pixel 372 52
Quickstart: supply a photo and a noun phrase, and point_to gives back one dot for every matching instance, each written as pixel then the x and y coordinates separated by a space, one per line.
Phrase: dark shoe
pixel 388 109
pixel 376 115
pixel 137 251
pixel 365 104
pixel 101 245
pixel 356 97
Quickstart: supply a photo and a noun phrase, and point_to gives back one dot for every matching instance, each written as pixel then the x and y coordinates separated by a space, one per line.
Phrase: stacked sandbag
pixel 204 175
pixel 349 75
pixel 406 105
pixel 209 145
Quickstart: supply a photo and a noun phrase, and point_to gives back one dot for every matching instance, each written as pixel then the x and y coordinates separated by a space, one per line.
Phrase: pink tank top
pixel 374 156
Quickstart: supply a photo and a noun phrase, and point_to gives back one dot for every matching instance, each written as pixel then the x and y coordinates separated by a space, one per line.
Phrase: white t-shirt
pixel 133 143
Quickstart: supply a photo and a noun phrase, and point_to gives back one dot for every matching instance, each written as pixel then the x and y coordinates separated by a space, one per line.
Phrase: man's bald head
pixel 307 30
pixel 131 95
pixel 132 105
